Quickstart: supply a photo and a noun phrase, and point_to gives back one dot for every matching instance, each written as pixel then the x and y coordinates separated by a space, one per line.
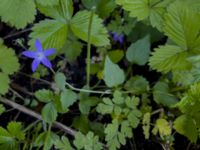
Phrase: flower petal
pixel 46 62
pixel 38 45
pixel 29 54
pixel 49 52
pixel 35 64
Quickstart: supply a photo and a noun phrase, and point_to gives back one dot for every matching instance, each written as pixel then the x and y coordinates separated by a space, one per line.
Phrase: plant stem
pixel 89 49
pixel 47 136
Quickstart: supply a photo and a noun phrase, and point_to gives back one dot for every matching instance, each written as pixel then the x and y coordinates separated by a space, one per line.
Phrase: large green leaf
pixel 52 33
pixel 4 86
pixel 47 2
pixel 63 10
pixel 186 125
pixel 182 27
pixel 80 24
pixel 146 9
pixel 17 13
pixel 139 51
pixel 169 57
pixel 113 74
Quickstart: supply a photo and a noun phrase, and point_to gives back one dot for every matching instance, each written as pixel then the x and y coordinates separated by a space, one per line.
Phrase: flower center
pixel 40 56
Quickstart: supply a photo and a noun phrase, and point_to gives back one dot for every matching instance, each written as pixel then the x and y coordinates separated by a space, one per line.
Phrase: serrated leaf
pixel 47 2
pixel 80 24
pixel 144 9
pixel 49 113
pixel 2 109
pixel 167 58
pixel 146 124
pixel 186 126
pixel 51 33
pixel 15 129
pixel 113 74
pixel 163 127
pixel 137 84
pixel 162 94
pixel 139 51
pixel 8 61
pixel 67 98
pixel 182 27
pixel 60 80
pixel 44 95
pixel 59 9
pixel 5 81
pixel 63 144
pixel 12 12
pixel 106 107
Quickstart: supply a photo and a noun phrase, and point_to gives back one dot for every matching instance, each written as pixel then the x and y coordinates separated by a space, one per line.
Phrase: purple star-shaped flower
pixel 118 37
pixel 39 56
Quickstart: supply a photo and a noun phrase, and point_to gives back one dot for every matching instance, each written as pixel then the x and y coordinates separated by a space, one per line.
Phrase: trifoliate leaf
pixel 47 2
pixel 4 86
pixel 44 95
pixel 49 113
pixel 182 27
pixel 143 9
pixel 17 13
pixel 8 61
pixel 113 74
pixel 106 107
pixel 162 94
pixel 63 144
pixel 139 51
pixel 169 57
pixel 162 126
pixel 51 33
pixel 80 23
pixel 61 10
pixel 186 125
pixel 146 124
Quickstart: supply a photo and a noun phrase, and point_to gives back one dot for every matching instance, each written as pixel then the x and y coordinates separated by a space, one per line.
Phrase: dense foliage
pixel 121 70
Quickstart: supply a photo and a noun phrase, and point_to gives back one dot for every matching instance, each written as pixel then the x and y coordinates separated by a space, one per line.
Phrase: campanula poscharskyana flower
pixel 117 37
pixel 39 56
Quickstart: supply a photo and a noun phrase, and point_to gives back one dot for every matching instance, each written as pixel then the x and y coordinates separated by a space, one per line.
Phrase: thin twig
pixel 17 33
pixel 36 115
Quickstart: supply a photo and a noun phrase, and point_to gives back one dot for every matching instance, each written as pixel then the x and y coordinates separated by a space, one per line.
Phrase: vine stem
pixel 89 49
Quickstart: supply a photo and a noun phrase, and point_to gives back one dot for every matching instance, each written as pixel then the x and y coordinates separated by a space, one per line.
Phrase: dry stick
pixel 17 33
pixel 36 115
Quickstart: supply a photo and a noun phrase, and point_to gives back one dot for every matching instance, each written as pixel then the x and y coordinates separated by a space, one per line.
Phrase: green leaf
pixel 61 9
pixel 182 27
pixel 67 98
pixel 15 129
pixel 116 55
pixel 72 49
pixel 5 81
pixel 163 127
pixel 186 126
pixel 162 94
pixel 6 140
pixel 137 85
pixel 47 2
pixel 80 24
pixel 17 13
pixel 60 80
pixel 8 61
pixel 106 107
pixel 44 95
pixel 167 58
pixel 2 109
pixel 88 142
pixel 63 144
pixel 51 33
pixel 113 75
pixel 146 124
pixel 146 9
pixel 139 51
pixel 49 113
